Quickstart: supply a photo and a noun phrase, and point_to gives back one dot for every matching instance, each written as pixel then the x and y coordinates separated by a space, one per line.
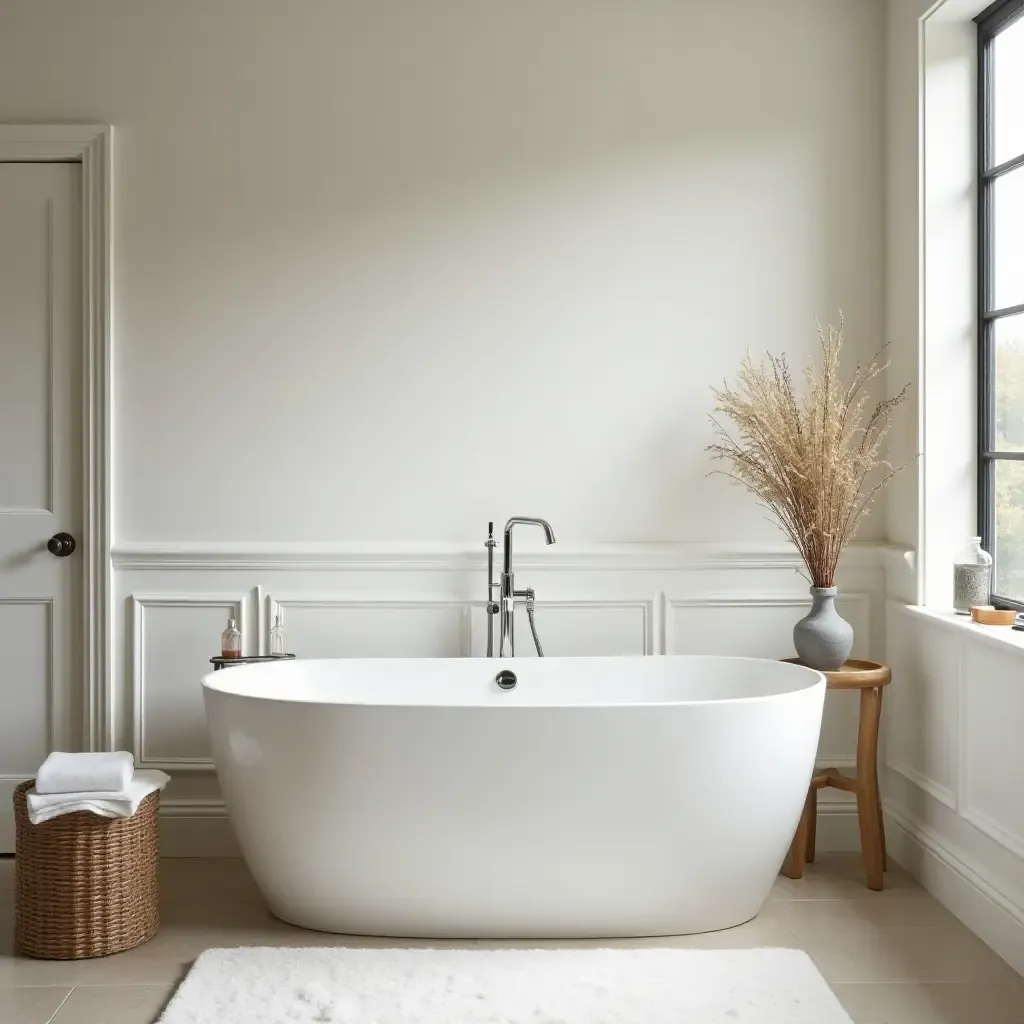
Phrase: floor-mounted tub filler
pixel 515 798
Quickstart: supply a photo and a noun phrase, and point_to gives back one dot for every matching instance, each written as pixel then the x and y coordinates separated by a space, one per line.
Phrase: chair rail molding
pixel 209 555
pixel 91 146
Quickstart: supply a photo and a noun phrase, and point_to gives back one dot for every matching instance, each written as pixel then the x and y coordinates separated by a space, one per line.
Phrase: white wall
pixel 491 255
pixel 954 719
pixel 902 256
pixel 386 271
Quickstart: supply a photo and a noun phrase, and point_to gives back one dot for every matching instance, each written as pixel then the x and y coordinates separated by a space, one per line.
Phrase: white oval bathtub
pixel 599 797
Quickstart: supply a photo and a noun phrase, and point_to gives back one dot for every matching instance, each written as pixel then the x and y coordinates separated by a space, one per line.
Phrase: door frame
pixel 90 145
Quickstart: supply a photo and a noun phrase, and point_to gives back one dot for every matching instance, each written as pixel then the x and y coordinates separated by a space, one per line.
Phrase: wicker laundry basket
pixel 84 885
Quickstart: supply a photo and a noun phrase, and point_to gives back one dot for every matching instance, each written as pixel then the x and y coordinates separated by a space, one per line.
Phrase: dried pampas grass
pixel 816 463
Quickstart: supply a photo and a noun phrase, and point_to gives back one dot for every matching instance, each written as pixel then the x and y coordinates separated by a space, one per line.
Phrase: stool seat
pixel 870 677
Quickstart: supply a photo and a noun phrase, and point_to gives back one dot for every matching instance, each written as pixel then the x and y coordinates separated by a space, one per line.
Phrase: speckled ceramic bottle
pixel 823 638
pixel 972 577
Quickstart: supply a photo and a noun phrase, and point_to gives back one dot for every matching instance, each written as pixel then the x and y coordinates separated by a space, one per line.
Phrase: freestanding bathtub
pixel 600 797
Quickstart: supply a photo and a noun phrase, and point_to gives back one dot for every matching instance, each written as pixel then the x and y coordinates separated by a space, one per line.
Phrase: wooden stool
pixel 869 677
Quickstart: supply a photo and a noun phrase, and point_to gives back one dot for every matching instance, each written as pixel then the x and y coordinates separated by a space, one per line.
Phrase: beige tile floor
pixel 895 957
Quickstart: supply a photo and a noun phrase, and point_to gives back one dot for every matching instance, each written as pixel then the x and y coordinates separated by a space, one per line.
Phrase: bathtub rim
pixel 212 682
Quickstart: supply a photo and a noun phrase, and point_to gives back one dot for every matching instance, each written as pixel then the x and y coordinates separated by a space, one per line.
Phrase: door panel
pixel 40 475
pixel 26 259
pixel 26 635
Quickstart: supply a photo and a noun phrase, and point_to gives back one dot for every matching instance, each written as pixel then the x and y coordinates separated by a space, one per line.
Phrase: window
pixel 1001 294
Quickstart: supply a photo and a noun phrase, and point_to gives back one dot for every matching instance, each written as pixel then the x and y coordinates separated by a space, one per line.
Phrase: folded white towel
pixel 103 772
pixel 43 807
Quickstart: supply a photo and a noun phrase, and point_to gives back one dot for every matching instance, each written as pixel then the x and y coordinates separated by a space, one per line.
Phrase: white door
pixel 40 470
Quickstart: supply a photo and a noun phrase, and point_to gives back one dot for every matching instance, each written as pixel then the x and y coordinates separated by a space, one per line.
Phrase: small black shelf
pixel 253 659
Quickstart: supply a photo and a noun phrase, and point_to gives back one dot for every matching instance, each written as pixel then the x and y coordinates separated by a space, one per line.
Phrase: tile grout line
pixel 52 1017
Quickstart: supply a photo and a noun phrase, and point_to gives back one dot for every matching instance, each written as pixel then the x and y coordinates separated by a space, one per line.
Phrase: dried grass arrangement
pixel 816 462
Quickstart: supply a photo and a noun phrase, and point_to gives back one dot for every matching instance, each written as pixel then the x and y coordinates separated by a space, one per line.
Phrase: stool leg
pixel 867 786
pixel 881 816
pixel 881 832
pixel 793 866
pixel 812 823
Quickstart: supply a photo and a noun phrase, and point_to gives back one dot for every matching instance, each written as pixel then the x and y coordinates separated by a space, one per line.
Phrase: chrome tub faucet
pixel 507 595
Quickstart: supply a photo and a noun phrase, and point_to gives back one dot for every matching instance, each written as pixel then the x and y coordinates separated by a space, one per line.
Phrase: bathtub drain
pixel 506 679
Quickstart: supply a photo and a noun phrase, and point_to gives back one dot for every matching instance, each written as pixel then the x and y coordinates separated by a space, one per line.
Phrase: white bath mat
pixel 530 986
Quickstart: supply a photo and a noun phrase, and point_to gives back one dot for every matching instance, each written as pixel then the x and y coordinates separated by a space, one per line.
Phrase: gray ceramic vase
pixel 823 638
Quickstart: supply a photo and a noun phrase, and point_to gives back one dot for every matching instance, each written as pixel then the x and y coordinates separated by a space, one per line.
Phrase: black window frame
pixel 990 23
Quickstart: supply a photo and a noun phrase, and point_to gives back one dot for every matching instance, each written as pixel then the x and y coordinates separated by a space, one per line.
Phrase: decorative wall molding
pixel 754 600
pixel 355 601
pixel 207 556
pixel 633 581
pixel 1004 837
pixel 964 706
pixel 200 828
pixel 961 755
pixel 969 639
pixel 985 823
pixel 965 888
pixel 90 145
pixel 934 789
pixel 376 602
pixel 747 599
pixel 194 807
pixel 651 643
pixel 139 603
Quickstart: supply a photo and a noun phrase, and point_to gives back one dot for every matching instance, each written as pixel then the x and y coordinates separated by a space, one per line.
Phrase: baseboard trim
pixel 837 829
pixel 990 913
pixel 201 829
pixel 203 835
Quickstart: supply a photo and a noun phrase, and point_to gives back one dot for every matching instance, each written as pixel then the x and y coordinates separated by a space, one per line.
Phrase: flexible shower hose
pixel 533 627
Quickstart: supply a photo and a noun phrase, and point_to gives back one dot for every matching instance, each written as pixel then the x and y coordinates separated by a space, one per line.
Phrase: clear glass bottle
pixel 972 577
pixel 231 641
pixel 277 644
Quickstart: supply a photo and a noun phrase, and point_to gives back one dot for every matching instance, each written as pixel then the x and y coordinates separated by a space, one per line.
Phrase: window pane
pixel 1008 92
pixel 1008 334
pixel 1008 233
pixel 1009 553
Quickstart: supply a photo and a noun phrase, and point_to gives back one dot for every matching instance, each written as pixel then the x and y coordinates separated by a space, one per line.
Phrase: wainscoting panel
pixel 348 626
pixel 922 712
pixel 992 767
pixel 576 628
pixel 173 636
pixel 426 601
pixel 954 801
pixel 762 627
pixel 745 625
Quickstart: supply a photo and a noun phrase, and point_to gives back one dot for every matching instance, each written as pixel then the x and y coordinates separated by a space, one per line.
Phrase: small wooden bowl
pixel 989 616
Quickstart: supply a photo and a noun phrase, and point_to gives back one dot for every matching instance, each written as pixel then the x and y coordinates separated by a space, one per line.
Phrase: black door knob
pixel 61 545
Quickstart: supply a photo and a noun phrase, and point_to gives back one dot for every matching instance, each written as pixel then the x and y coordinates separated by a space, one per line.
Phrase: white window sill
pixel 1003 638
